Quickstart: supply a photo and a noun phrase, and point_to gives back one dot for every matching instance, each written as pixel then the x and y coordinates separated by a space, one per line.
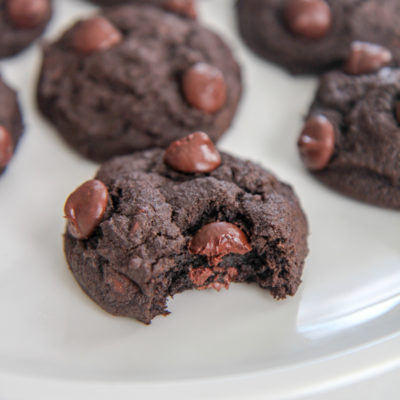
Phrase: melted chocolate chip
pixel 194 153
pixel 199 276
pixel 6 147
pixel 204 87
pixel 28 14
pixel 366 57
pixel 217 239
pixel 317 142
pixel 215 285
pixel 309 18
pixel 95 34
pixel 183 7
pixel 85 208
pixel 221 277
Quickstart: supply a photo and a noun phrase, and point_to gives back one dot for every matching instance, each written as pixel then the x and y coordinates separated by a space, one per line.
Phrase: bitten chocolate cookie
pixel 186 8
pixel 156 223
pixel 10 124
pixel 351 139
pixel 312 36
pixel 137 77
pixel 21 22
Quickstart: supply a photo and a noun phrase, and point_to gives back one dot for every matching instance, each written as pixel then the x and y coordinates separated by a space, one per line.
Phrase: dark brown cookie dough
pixel 186 8
pixel 21 22
pixel 312 36
pixel 142 231
pixel 137 77
pixel 351 139
pixel 11 126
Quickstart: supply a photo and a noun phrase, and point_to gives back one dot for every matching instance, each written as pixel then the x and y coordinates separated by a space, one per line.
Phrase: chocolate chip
pixel 199 276
pixel 183 7
pixel 309 18
pixel 85 208
pixel 6 147
pixel 95 34
pixel 232 273
pixel 215 285
pixel 317 142
pixel 366 57
pixel 204 87
pixel 218 239
pixel 194 153
pixel 28 14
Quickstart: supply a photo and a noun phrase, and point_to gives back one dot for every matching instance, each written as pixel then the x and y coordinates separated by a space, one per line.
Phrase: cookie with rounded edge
pixel 136 77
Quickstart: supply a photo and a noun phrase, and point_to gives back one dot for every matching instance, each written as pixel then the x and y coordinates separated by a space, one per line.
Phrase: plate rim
pixel 306 378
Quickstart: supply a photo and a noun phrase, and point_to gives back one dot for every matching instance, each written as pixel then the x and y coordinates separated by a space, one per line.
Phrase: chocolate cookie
pixel 186 8
pixel 312 36
pixel 10 124
pixel 351 139
pixel 21 22
pixel 136 77
pixel 156 223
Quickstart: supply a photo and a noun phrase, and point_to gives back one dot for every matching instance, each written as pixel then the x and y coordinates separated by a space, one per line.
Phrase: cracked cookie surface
pixel 150 244
pixel 265 28
pixel 130 95
pixel 365 158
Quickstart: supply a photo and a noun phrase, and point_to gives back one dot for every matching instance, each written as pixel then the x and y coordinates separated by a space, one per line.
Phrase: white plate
pixel 342 325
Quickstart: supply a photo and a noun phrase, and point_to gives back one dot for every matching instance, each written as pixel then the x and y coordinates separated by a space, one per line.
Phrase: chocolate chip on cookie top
pixel 137 77
pixel 22 22
pixel 309 18
pixel 183 7
pixel 217 239
pixel 95 34
pixel 366 57
pixel 314 36
pixel 317 142
pixel 360 122
pixel 6 147
pixel 194 153
pixel 165 232
pixel 85 208
pixel 28 14
pixel 204 87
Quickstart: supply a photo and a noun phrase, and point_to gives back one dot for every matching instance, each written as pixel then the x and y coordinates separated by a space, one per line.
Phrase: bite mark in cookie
pixel 165 231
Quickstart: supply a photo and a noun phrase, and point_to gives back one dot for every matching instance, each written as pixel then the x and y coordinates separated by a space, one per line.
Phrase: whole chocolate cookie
pixel 137 77
pixel 21 22
pixel 143 230
pixel 351 139
pixel 11 126
pixel 186 8
pixel 312 36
